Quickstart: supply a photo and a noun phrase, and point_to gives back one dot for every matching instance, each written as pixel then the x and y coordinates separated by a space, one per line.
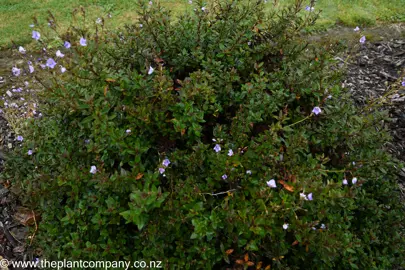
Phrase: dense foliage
pixel 217 138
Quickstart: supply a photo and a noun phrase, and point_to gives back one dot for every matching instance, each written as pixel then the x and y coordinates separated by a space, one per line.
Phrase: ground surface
pixel 371 69
pixel 17 15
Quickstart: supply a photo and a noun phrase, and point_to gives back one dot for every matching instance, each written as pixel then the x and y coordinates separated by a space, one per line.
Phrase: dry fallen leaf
pixel 139 176
pixel 229 251
pixel 286 186
pixel 25 216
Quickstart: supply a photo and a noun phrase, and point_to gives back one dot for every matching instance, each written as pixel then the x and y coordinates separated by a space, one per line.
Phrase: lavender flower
pixel 62 69
pixel 230 152
pixel 83 41
pixel 344 182
pixel 271 183
pixel 323 227
pixel 36 35
pixel 166 162
pixel 128 131
pixel 16 71
pixel 67 44
pixel 203 8
pixel 150 71
pixel 285 226
pixel 161 170
pixel 303 196
pixel 140 25
pixel 21 49
pixel 356 29
pixel 362 39
pixel 31 68
pixel 354 180
pixel 248 172
pixel 59 54
pixel 224 176
pixel 309 197
pixel 50 63
pixel 308 8
pixel 217 148
pixel 20 138
pixel 29 152
pixel 93 169
pixel 150 3
pixel 403 82
pixel 316 110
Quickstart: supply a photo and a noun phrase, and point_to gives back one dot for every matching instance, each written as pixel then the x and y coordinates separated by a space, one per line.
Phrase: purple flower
pixel 224 176
pixel 93 169
pixel 309 197
pixel 230 152
pixel 248 172
pixel 344 182
pixel 217 148
pixel 50 63
pixel 271 183
pixel 403 82
pixel 362 39
pixel 83 41
pixel 59 54
pixel 29 152
pixel 308 8
pixel 150 71
pixel 20 138
pixel 203 8
pixel 303 196
pixel 316 110
pixel 31 68
pixel 166 162
pixel 128 131
pixel 62 69
pixel 67 44
pixel 16 71
pixel 21 49
pixel 150 3
pixel 354 180
pixel 356 29
pixel 285 226
pixel 36 35
pixel 161 170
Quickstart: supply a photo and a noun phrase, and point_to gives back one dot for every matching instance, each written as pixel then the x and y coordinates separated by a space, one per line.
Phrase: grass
pixel 16 15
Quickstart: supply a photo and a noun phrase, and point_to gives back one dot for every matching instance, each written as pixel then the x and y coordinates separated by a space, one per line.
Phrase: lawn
pixel 16 15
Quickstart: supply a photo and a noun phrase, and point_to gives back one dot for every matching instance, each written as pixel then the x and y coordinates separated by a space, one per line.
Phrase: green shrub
pixel 186 122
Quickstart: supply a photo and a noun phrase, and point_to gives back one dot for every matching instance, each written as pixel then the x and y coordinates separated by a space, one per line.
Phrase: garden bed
pixel 370 72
